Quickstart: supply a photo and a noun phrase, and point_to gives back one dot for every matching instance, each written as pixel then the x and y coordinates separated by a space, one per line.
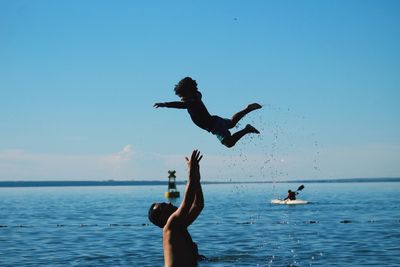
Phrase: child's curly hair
pixel 186 87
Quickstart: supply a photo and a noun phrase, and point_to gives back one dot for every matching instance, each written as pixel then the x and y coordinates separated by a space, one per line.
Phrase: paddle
pixel 301 187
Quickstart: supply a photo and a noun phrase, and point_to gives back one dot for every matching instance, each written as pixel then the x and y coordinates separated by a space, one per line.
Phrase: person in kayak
pixel 190 97
pixel 291 195
pixel 179 248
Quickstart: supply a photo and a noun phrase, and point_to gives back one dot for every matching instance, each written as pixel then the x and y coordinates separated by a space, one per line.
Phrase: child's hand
pixel 159 105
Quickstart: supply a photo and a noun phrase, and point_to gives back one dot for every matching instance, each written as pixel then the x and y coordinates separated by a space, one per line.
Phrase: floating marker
pixel 172 191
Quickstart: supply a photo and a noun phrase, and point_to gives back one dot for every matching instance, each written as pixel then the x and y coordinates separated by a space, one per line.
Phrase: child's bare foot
pixel 253 106
pixel 251 129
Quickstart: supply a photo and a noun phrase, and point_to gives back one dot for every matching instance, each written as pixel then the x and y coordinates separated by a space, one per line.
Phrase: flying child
pixel 190 97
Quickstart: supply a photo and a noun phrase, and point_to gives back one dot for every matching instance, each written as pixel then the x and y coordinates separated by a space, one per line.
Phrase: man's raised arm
pixel 182 214
pixel 198 203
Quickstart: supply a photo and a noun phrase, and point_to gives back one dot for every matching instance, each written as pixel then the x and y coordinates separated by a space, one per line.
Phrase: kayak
pixel 289 202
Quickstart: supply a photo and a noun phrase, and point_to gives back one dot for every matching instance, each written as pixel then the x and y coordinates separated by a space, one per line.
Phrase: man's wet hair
pixel 155 216
pixel 186 87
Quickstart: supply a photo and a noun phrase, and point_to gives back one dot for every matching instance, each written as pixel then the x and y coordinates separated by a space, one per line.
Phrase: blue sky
pixel 78 80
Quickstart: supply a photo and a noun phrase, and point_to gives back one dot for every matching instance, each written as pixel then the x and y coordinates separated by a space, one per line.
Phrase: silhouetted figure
pixel 291 195
pixel 187 90
pixel 179 248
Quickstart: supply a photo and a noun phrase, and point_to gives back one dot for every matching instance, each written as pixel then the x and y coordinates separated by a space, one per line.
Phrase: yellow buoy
pixel 172 191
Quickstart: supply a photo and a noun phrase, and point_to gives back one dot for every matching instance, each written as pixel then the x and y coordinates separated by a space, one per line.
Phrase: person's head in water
pixel 289 191
pixel 187 87
pixel 160 212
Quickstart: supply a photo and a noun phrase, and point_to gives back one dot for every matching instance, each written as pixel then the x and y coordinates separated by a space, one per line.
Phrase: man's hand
pixel 193 164
pixel 159 105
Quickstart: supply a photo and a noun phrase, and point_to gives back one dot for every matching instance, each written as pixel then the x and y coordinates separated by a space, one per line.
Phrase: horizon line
pixel 112 182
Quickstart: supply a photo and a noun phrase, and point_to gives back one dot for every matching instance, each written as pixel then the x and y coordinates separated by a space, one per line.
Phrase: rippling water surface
pixel 347 224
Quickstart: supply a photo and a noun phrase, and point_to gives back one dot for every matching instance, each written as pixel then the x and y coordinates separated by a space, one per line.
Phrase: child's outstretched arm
pixel 176 104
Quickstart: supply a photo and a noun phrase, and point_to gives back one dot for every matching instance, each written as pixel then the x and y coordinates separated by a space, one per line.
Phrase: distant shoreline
pixel 164 182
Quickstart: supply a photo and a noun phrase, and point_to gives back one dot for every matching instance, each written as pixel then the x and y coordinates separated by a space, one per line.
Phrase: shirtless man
pixel 179 248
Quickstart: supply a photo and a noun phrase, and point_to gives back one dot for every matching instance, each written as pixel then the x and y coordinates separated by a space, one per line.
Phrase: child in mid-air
pixel 186 89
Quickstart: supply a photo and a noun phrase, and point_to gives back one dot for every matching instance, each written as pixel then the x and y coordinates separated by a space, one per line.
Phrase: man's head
pixel 186 87
pixel 289 191
pixel 160 212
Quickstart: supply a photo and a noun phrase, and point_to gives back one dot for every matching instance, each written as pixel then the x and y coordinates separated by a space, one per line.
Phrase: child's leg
pixel 238 116
pixel 231 140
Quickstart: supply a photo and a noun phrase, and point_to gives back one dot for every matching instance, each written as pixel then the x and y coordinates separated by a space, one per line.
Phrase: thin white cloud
pixel 120 157
pixel 374 160
pixel 25 165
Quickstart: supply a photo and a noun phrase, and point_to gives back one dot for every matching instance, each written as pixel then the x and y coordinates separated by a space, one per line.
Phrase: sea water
pixel 346 224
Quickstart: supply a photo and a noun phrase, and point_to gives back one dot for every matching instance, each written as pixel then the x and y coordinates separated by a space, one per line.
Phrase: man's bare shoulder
pixel 174 221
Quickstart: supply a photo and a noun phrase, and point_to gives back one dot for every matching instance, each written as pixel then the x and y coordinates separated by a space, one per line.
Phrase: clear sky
pixel 78 80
